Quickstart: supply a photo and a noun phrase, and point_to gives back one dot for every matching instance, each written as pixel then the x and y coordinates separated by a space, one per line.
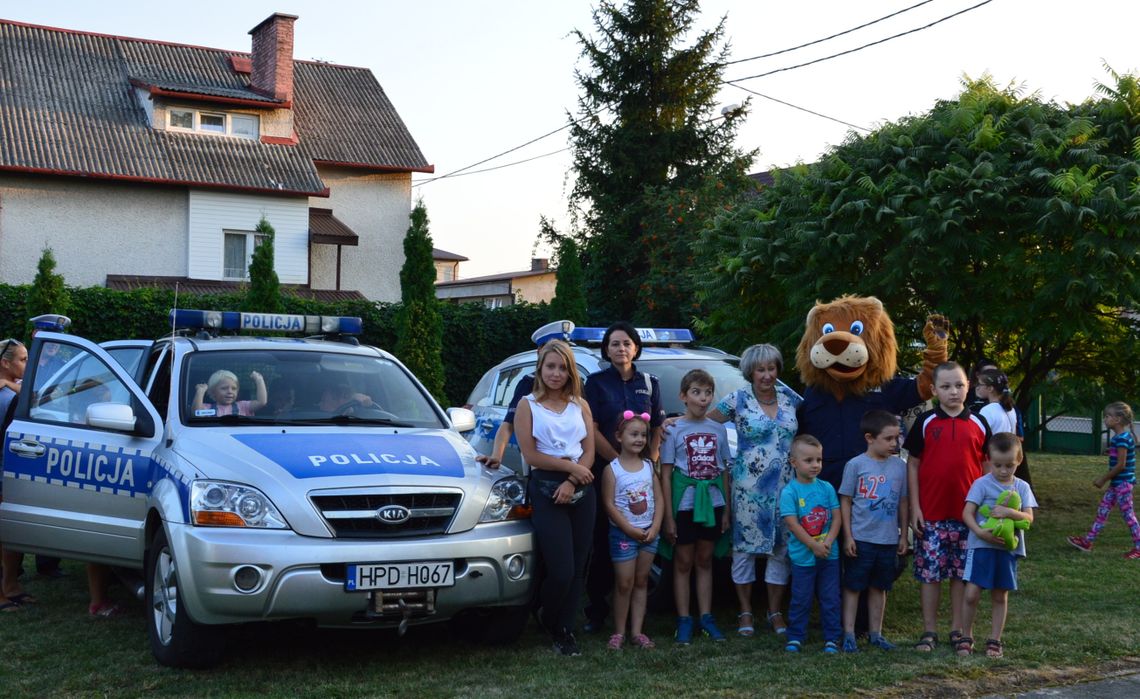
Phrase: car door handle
pixel 27 449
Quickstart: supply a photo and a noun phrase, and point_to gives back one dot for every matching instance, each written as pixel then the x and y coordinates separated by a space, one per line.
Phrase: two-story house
pixel 148 163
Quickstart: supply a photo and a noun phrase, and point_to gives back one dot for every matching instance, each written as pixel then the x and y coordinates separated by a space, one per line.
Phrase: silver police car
pixel 666 353
pixel 264 478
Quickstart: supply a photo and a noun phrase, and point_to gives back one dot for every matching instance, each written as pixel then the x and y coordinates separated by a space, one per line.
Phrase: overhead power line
pixel 497 167
pixel 802 109
pixel 829 38
pixel 860 48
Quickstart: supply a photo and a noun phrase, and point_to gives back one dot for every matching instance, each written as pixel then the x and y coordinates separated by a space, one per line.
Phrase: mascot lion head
pixel 848 346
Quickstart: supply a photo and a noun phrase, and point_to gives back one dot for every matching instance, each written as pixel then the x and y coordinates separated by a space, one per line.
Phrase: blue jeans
pixel 820 581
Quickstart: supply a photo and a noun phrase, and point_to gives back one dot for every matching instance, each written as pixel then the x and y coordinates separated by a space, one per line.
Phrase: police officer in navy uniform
pixel 611 392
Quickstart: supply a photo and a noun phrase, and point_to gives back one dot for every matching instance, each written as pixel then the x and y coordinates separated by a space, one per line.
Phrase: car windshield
pixel 293 387
pixel 726 373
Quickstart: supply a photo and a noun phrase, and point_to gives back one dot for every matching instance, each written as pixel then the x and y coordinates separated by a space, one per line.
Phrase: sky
pixel 474 78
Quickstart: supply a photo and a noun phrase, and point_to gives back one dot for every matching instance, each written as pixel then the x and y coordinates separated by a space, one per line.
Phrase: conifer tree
pixel 48 293
pixel 646 126
pixel 264 294
pixel 419 324
pixel 569 301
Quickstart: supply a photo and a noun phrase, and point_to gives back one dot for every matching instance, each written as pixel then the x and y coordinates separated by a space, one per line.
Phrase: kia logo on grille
pixel 393 514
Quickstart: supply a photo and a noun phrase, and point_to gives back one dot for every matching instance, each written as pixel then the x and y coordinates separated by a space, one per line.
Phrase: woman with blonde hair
pixel 554 429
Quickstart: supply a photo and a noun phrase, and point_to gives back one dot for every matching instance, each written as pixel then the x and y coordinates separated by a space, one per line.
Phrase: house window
pixel 236 253
pixel 213 123
pixel 220 123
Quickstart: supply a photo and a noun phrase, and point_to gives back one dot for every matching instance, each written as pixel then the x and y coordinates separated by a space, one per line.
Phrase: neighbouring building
pixel 446 264
pixel 148 164
pixel 496 290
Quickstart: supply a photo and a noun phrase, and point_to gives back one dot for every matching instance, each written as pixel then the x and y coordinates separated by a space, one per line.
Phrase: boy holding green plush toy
pixel 999 509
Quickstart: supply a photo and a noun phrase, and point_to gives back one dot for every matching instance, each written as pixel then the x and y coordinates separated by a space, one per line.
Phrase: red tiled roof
pixel 330 230
pixel 67 108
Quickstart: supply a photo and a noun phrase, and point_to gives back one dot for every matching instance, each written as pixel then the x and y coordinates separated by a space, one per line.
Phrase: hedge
pixel 475 338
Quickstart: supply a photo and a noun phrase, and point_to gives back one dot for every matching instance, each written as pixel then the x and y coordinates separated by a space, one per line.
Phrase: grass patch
pixel 1074 617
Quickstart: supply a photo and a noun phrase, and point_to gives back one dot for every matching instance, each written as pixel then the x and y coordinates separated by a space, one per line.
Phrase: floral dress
pixel 761 467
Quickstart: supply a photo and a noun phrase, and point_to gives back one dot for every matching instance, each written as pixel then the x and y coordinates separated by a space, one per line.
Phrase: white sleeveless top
pixel 999 419
pixel 557 434
pixel 633 493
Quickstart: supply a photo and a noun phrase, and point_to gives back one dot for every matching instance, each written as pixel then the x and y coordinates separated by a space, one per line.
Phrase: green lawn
pixel 1075 616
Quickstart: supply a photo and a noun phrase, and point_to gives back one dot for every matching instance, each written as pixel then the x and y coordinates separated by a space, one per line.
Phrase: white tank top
pixel 557 434
pixel 633 493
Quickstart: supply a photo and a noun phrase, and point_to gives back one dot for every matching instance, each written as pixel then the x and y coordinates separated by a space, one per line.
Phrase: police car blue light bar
pixel 52 322
pixel 558 330
pixel 647 335
pixel 184 318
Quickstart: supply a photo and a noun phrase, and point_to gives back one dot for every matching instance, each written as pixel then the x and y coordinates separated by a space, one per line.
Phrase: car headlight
pixel 221 504
pixel 507 501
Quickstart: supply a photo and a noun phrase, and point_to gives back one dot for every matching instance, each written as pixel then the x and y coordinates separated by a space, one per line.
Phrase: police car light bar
pixel 647 335
pixel 558 330
pixel 183 318
pixel 52 322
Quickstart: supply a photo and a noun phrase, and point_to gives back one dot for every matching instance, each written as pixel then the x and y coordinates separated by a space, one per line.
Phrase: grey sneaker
pixel 565 644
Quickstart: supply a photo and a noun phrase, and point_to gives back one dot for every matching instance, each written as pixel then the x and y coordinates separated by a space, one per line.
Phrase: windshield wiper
pixel 356 420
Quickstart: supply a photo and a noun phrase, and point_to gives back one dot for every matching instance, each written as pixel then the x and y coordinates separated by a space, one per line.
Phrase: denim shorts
pixel 940 552
pixel 874 565
pixel 623 548
pixel 991 569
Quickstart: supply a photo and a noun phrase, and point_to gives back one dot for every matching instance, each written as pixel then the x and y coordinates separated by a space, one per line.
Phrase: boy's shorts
pixel 623 548
pixel 940 551
pixel 991 569
pixel 777 567
pixel 689 532
pixel 874 565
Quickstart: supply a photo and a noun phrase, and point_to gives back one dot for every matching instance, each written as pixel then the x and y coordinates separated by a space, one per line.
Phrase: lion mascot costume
pixel 847 362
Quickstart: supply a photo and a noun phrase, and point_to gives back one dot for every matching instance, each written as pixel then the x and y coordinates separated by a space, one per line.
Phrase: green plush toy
pixel 1003 527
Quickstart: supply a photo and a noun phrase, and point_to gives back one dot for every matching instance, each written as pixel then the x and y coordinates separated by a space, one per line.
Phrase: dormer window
pixel 220 123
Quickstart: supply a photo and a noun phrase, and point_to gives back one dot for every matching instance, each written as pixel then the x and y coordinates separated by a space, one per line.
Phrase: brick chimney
pixel 272 73
pixel 539 263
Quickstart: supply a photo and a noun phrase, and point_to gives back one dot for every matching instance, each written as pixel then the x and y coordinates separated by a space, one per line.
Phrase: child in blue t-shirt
pixel 989 564
pixel 810 510
pixel 1120 477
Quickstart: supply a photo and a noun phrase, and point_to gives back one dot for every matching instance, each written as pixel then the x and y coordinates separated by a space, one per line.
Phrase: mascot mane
pixel 848 346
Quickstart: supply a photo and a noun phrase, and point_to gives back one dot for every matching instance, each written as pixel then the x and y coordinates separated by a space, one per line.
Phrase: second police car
pixel 341 493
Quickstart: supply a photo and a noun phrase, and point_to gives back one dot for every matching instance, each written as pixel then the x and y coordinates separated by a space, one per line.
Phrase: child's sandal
pixel 744 629
pixel 993 648
pixel 616 642
pixel 780 630
pixel 926 642
pixel 964 646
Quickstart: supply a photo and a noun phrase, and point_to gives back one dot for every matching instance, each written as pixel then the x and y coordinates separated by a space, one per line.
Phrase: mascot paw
pixel 937 328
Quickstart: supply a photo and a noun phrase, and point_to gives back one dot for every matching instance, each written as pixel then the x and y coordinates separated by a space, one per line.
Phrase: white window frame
pixel 228 123
pixel 252 240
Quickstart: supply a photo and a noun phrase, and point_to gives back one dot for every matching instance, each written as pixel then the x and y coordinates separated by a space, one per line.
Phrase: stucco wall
pixel 94 229
pixel 534 289
pixel 376 207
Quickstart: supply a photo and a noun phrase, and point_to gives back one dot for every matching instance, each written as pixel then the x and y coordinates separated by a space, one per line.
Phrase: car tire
pixel 175 639
pixel 492 626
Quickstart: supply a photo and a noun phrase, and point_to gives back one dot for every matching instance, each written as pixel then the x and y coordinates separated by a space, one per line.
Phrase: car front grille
pixel 358 515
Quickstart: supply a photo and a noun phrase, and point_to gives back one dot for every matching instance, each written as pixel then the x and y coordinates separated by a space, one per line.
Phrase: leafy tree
pixel 645 130
pixel 419 325
pixel 264 294
pixel 1017 218
pixel 48 293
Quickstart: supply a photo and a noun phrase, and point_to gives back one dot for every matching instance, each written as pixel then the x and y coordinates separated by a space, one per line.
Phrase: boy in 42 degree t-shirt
pixel 872 498
pixel 947 448
pixel 811 513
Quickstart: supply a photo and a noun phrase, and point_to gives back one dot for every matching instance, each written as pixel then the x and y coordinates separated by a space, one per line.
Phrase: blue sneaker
pixel 684 633
pixel 708 627
pixel 830 648
pixel 849 645
pixel 880 642
pixel 792 647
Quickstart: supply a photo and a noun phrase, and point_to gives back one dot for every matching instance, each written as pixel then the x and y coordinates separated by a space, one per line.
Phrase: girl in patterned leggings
pixel 1122 474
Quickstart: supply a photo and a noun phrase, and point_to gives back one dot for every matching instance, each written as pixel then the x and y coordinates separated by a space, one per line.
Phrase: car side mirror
pixel 462 419
pixel 111 416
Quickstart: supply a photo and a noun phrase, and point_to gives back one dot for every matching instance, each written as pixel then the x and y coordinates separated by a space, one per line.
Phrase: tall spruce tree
pixel 48 293
pixel 419 324
pixel 645 127
pixel 264 294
